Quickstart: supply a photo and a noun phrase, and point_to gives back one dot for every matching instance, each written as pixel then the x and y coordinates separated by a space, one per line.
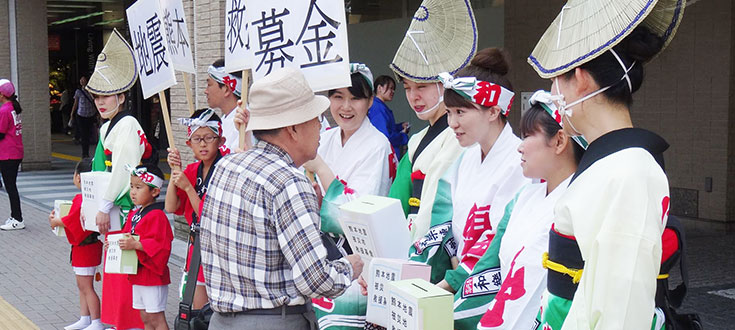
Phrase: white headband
pixel 222 77
pixel 148 178
pixel 364 71
pixel 194 124
pixel 481 92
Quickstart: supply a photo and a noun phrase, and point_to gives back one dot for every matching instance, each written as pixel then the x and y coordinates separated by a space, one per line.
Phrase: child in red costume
pixel 185 194
pixel 86 255
pixel 153 246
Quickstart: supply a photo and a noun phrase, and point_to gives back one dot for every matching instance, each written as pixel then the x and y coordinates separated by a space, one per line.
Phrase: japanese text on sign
pixel 152 52
pixel 177 35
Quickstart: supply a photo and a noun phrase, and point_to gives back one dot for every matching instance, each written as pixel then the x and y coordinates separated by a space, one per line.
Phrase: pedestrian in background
pixel 11 150
pixel 84 114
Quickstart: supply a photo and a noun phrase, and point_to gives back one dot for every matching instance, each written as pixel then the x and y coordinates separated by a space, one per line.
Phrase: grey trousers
pixel 306 321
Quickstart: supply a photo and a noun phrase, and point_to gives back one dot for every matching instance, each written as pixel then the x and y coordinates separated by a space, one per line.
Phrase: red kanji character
pixel 478 221
pixel 324 304
pixel 665 208
pixel 477 250
pixel 231 83
pixel 511 289
pixel 148 150
pixel 487 94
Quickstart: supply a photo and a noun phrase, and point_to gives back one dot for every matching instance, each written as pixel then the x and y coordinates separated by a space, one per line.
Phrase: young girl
pixel 204 137
pixel 121 142
pixel 548 154
pixel 11 151
pixel 605 247
pixel 487 174
pixel 86 255
pixel 153 246
pixel 353 159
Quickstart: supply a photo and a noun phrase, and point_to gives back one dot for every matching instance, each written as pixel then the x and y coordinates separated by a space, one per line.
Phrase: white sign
pixel 382 271
pixel 94 186
pixel 117 260
pixel 177 35
pixel 238 56
pixel 152 54
pixel 309 35
pixel 61 209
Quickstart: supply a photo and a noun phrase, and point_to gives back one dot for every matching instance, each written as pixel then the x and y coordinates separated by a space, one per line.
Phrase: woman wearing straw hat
pixel 122 142
pixel 354 159
pixel 436 27
pixel 11 150
pixel 605 245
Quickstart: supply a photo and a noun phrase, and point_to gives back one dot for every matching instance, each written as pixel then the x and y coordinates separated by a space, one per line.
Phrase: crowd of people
pixel 561 226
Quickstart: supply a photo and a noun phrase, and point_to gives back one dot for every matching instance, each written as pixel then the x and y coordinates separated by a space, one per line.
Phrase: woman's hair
pixel 383 81
pixel 16 105
pixel 200 111
pixel 537 120
pixel 491 65
pixel 83 166
pixel 639 47
pixel 359 89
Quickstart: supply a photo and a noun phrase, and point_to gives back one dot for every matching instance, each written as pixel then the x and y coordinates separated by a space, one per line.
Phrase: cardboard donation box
pixel 417 304
pixel 383 271
pixel 61 209
pixel 376 228
pixel 118 261
pixel 94 186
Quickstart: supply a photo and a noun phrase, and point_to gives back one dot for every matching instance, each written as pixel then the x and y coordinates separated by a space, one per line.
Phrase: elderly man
pixel 262 254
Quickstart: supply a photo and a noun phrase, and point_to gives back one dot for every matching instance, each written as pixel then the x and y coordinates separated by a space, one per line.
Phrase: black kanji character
pixel 153 26
pixel 234 23
pixel 321 43
pixel 141 48
pixel 271 39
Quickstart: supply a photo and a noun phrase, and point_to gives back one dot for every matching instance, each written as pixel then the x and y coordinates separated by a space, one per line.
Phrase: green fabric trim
pixel 403 186
pixel 329 212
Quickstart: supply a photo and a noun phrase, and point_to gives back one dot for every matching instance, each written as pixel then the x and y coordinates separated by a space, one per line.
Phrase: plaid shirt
pixel 260 239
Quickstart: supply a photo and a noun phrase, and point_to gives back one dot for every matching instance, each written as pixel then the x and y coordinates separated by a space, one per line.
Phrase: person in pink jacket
pixel 11 150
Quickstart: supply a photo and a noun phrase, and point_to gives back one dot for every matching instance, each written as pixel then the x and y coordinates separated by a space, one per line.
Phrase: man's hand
pixel 103 222
pixel 357 265
pixel 363 285
pixel 242 115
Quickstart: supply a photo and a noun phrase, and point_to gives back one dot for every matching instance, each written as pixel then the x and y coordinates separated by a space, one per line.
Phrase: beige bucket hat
pixel 283 98
pixel 586 29
pixel 442 38
pixel 115 71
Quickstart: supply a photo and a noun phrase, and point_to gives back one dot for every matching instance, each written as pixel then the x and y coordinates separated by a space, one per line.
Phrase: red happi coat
pixel 156 236
pixel 89 255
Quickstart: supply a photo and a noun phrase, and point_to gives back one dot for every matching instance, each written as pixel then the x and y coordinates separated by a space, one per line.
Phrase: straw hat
pixel 115 71
pixel 442 38
pixel 586 29
pixel 283 98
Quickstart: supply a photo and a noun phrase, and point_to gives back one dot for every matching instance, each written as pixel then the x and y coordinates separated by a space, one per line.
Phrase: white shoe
pixel 95 325
pixel 12 224
pixel 78 325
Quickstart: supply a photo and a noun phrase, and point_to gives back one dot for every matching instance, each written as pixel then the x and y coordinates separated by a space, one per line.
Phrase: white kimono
pixel 616 209
pixel 364 162
pixel 480 190
pixel 126 142
pixel 525 240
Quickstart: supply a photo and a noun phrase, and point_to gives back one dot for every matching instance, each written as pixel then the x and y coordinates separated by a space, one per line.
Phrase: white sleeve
pixel 127 148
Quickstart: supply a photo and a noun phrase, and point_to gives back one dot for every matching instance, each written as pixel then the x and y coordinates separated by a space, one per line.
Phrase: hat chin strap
pixel 436 106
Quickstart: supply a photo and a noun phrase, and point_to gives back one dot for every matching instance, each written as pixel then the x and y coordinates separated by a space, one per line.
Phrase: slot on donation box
pixel 417 304
pixel 375 228
pixel 382 272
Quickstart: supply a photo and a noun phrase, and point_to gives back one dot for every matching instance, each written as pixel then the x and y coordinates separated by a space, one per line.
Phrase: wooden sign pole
pixel 244 142
pixel 189 97
pixel 166 120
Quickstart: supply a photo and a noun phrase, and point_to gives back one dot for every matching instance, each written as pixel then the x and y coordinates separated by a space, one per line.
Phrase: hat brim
pixel 293 116
pixel 115 71
pixel 585 29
